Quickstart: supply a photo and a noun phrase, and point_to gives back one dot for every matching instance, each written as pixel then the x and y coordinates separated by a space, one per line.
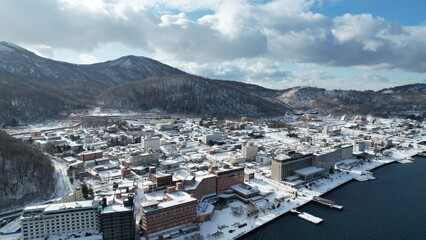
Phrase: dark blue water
pixel 391 207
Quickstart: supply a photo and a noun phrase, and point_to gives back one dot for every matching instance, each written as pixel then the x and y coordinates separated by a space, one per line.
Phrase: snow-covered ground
pixel 45 126
pixel 226 225
pixel 98 111
pixel 63 185
pixel 11 227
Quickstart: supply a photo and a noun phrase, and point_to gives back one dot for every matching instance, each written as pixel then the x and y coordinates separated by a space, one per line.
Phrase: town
pixel 151 177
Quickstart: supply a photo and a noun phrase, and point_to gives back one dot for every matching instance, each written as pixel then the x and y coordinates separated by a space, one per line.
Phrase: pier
pixel 308 217
pixel 327 202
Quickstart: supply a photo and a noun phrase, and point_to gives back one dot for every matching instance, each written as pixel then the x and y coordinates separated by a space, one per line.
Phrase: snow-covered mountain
pixel 33 87
pixel 191 95
pixel 132 68
pixel 383 103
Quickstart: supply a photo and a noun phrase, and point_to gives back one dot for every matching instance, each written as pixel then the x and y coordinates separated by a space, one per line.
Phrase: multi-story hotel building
pixel 117 222
pixel 285 166
pixel 48 220
pixel 178 209
pixel 227 177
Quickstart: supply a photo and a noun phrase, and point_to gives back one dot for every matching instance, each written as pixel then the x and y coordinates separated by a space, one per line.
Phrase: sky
pixel 332 44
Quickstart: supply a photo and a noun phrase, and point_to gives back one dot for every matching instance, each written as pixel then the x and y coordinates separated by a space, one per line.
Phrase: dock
pixel 308 217
pixel 327 202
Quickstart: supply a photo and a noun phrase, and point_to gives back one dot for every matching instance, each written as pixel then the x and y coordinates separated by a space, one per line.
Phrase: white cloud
pixel 87 59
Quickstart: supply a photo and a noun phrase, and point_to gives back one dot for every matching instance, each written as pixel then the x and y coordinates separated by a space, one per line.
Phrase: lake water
pixel 391 207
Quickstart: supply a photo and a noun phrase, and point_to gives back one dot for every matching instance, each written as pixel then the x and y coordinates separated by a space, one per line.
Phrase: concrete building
pixel 117 221
pixel 178 209
pixel 245 191
pixel 85 156
pixel 160 179
pixel 249 151
pixel 202 186
pixel 286 165
pixel 49 220
pixel 146 159
pixel 34 134
pixel 211 137
pixel 359 146
pixel 326 159
pixel 309 173
pixel 263 158
pixel 227 177
pixel 165 126
pixel 344 152
pixel 150 143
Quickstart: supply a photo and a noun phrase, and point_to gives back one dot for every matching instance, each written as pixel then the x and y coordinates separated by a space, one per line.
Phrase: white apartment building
pixel 153 143
pixel 211 137
pixel 61 218
pixel 249 151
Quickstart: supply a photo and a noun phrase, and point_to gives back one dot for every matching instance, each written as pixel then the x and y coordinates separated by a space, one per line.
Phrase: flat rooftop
pixel 116 208
pixel 178 198
pixel 59 207
pixel 309 171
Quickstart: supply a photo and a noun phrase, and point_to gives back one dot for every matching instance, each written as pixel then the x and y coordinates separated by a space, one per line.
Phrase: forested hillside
pixel 26 173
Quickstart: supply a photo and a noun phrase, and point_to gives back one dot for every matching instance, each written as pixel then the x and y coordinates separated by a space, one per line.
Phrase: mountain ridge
pixel 35 88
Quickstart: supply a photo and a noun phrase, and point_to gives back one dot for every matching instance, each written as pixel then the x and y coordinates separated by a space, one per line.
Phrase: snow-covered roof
pixel 309 170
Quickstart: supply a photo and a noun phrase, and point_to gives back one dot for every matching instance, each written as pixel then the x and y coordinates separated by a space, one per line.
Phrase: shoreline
pixel 267 215
pixel 341 184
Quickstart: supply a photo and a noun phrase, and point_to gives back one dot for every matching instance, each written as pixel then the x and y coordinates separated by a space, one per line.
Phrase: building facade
pixel 48 220
pixel 178 209
pixel 202 186
pixel 284 167
pixel 85 156
pixel 227 177
pixel 249 151
pixel 147 158
pixel 150 142
pixel 117 223
pixel 211 137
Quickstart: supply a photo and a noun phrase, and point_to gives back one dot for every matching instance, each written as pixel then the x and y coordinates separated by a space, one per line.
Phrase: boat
pixel 405 160
pixel 421 154
pixel 365 176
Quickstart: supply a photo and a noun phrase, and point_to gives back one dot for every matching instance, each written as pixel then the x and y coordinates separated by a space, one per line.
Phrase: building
pixel 358 146
pixel 286 165
pixel 326 159
pixel 245 191
pixel 85 156
pixel 34 134
pixel 227 177
pixel 211 137
pixel 48 220
pixel 263 158
pixel 117 221
pixel 178 209
pixel 203 185
pixel 165 126
pixel 160 179
pixel 309 173
pixel 344 152
pixel 249 151
pixel 150 143
pixel 138 159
